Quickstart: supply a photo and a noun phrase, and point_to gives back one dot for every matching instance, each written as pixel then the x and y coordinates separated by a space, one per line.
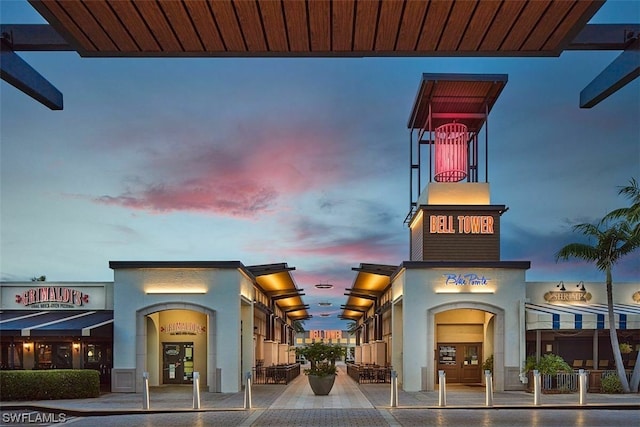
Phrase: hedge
pixel 49 384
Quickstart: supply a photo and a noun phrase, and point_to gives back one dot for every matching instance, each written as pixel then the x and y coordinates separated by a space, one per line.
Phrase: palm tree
pixel 632 213
pixel 352 327
pixel 298 326
pixel 610 245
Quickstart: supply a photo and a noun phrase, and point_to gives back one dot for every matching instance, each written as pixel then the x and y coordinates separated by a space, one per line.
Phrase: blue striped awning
pixel 56 323
pixel 580 316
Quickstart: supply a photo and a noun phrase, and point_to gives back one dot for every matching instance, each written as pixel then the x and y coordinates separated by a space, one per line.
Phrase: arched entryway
pixel 464 335
pixel 174 340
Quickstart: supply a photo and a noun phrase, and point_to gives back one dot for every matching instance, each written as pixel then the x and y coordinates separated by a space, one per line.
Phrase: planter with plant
pixel 549 364
pixel 322 372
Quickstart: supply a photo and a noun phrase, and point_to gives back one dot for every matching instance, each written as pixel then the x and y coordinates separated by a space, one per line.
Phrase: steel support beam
pixel 34 38
pixel 621 71
pixel 15 71
pixel 605 37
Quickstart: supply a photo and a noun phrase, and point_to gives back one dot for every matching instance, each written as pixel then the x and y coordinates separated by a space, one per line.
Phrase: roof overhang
pixel 117 28
pixel 370 283
pixel 278 284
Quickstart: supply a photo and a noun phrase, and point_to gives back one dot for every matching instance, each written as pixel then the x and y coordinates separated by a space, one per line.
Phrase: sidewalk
pixel 346 394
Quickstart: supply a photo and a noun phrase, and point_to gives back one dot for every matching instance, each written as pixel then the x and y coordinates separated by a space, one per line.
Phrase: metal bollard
pixel 394 389
pixel 196 390
pixel 145 390
pixel 489 388
pixel 247 392
pixel 536 387
pixel 442 390
pixel 582 382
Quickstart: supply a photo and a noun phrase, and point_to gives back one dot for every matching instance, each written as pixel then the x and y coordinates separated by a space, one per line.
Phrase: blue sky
pixel 303 161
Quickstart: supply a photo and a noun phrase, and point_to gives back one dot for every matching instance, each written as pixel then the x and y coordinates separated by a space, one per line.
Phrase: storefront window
pixel 11 356
pixel 54 356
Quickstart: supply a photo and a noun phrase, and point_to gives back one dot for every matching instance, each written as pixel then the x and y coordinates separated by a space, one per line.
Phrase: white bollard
pixel 489 388
pixel 196 390
pixel 145 390
pixel 536 387
pixel 442 390
pixel 582 382
pixel 247 392
pixel 394 389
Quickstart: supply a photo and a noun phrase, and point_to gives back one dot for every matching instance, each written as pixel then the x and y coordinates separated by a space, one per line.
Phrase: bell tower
pixel 452 218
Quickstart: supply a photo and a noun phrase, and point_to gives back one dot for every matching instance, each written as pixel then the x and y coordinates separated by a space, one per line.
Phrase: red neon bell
pixel 451 144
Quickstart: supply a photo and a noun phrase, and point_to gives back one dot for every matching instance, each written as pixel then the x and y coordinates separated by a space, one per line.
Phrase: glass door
pixel 177 363
pixel 461 362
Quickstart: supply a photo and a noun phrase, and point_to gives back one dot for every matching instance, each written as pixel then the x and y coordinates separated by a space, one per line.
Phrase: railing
pixel 276 374
pixel 568 382
pixel 560 382
pixel 366 374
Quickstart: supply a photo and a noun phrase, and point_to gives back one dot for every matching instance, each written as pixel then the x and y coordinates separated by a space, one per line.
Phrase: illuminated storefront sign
pixel 470 279
pixel 52 297
pixel 461 224
pixel 465 283
pixel 567 296
pixel 183 328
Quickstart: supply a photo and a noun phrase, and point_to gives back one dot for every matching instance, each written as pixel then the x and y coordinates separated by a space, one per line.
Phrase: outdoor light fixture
pixel 27 347
pixel 324 286
pixel 581 286
pixel 76 346
pixel 324 304
pixel 325 315
pixel 561 286
pixel 451 142
pixel 172 290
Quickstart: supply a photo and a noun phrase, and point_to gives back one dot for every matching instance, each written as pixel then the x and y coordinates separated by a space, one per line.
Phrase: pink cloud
pixel 240 176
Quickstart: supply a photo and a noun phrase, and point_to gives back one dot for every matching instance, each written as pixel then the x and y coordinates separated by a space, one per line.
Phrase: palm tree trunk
pixel 613 334
pixel 635 377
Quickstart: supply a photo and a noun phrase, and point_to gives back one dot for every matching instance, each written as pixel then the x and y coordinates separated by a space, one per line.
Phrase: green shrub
pixel 49 384
pixel 488 364
pixel 611 384
pixel 549 364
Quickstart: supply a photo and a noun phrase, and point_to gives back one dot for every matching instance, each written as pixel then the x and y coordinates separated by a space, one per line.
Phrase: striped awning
pixel 580 316
pixel 56 323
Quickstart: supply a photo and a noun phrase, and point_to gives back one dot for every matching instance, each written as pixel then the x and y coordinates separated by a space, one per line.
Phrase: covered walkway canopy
pixel 307 28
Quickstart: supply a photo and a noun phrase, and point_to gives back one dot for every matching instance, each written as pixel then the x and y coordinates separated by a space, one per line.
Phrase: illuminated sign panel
pixel 461 224
pixel 465 283
pixel 54 296
pixel 48 297
pixel 458 233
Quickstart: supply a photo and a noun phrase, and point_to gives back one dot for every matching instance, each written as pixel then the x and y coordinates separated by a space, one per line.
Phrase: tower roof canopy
pixel 464 98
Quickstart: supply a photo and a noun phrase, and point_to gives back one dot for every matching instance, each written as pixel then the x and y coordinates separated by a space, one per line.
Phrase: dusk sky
pixel 303 161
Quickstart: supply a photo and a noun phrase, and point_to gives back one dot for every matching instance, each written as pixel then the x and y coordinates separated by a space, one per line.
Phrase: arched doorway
pixel 174 341
pixel 465 334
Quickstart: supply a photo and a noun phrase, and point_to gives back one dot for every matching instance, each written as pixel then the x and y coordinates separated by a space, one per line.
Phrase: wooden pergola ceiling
pixel 127 28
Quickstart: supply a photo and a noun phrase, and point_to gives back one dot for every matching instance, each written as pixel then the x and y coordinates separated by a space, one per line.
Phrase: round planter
pixel 321 386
